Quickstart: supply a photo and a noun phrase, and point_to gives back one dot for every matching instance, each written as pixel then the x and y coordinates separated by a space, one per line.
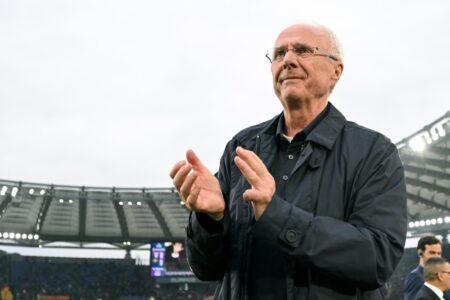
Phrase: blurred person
pixel 307 205
pixel 427 247
pixel 6 293
pixel 437 279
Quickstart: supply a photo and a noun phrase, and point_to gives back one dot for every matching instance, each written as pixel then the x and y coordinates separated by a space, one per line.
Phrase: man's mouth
pixel 283 79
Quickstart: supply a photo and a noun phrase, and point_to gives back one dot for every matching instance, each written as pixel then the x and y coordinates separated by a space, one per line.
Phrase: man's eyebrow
pixel 295 45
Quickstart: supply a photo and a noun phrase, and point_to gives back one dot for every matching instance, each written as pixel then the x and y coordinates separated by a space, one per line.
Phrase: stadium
pixel 152 221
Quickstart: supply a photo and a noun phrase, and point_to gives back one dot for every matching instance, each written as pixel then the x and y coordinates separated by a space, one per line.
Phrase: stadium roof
pixel 38 214
pixel 426 158
pixel 34 214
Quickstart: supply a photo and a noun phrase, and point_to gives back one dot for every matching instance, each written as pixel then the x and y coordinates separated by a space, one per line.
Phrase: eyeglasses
pixel 301 50
pixel 443 272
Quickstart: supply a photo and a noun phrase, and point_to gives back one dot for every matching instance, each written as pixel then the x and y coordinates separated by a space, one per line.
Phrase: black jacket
pixel 341 227
pixel 425 293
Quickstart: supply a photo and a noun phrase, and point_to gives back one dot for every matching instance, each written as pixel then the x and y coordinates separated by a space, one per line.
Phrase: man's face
pixel 445 277
pixel 434 250
pixel 299 79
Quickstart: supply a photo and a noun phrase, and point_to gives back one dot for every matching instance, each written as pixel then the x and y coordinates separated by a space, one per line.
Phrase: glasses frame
pixel 315 51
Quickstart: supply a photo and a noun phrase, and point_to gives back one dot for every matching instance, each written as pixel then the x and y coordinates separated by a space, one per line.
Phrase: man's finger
pixel 196 163
pixel 180 176
pixel 176 168
pixel 191 200
pixel 251 159
pixel 186 187
pixel 248 172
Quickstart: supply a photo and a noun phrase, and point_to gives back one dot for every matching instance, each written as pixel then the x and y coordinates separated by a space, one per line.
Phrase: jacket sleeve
pixel 362 250
pixel 206 240
pixel 413 283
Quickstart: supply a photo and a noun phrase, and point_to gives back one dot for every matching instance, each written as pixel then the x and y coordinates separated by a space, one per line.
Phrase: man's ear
pixel 338 69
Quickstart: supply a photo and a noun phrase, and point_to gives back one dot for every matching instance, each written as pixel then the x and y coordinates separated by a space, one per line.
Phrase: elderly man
pixel 437 279
pixel 304 206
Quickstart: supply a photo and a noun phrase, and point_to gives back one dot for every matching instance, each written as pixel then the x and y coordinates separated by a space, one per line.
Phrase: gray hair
pixel 432 267
pixel 335 44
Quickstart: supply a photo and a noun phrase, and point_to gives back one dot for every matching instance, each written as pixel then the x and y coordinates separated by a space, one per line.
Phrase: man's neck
pixel 297 119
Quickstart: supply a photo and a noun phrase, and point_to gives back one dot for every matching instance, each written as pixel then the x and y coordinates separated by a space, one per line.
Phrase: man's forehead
pixel 433 247
pixel 303 34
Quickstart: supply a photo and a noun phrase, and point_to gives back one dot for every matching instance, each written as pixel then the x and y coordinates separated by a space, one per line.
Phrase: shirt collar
pixel 301 136
pixel 436 290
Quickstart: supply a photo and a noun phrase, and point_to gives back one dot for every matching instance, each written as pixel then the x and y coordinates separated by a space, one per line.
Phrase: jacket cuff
pixel 282 223
pixel 200 235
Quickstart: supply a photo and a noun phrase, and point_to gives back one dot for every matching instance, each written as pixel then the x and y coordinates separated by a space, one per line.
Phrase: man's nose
pixel 290 59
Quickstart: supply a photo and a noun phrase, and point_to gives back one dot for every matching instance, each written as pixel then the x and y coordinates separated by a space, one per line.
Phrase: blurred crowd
pixel 24 277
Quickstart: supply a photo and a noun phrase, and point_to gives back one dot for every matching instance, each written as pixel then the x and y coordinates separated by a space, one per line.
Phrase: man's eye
pixel 279 53
pixel 302 50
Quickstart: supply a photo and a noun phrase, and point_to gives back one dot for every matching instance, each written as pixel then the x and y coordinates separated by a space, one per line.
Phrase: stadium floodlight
pixel 130 203
pixel 14 191
pixel 18 236
pixel 167 244
pixel 428 222
pixel 138 203
pixel 1 235
pixel 430 134
pixel 411 224
pixel 120 203
pixel 422 223
pixel 24 236
pixel 440 220
pixel 61 200
pixel 447 219
pixel 182 202
pixel 433 221
pixel 417 144
pixel 5 235
pixel 42 192
pixel 36 236
pixel 30 236
pixel 4 190
pixel 417 223
pixel 70 201
pixel 31 191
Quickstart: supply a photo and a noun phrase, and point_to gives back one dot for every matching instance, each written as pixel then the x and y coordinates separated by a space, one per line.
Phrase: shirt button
pixel 291 236
pixel 285 177
pixel 290 156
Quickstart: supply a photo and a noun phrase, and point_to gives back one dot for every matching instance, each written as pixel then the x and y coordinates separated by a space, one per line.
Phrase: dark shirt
pixel 268 266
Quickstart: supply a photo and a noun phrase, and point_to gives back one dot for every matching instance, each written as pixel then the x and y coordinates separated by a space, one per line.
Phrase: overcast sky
pixel 112 93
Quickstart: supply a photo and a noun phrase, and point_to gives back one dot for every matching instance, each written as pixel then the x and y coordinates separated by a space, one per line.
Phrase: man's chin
pixel 292 101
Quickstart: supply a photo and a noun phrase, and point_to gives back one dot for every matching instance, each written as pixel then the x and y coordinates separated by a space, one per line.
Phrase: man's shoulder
pixel 358 132
pixel 415 273
pixel 425 293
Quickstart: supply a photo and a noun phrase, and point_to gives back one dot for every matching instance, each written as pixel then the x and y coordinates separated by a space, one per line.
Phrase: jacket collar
pixel 325 133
